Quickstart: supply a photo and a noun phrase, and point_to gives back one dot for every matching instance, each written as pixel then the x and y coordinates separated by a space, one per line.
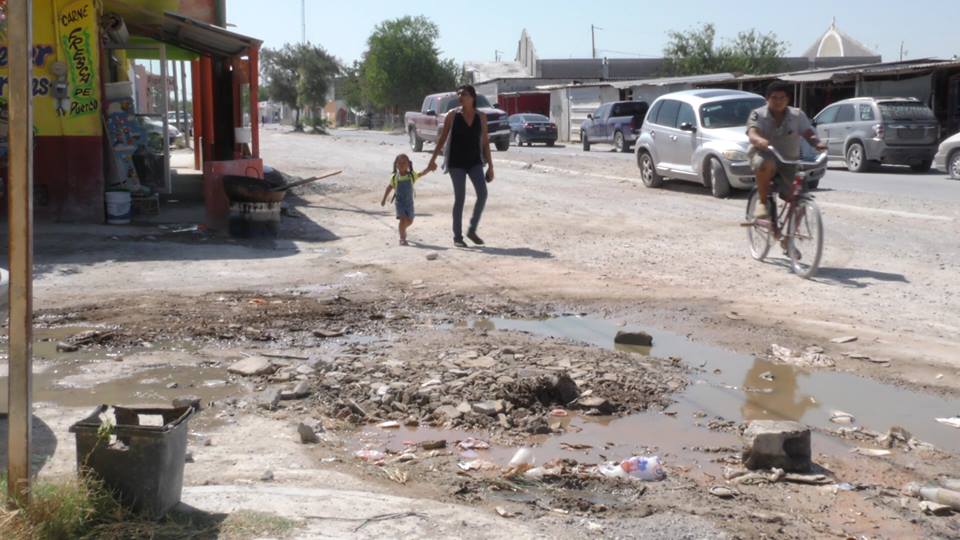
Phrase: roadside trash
pixel 894 434
pixel 473 444
pixel 845 486
pixel 477 465
pixel 872 452
pixel 723 492
pixel 952 422
pixel 503 512
pixel 559 413
pixel 844 339
pixel 643 468
pixel 141 460
pixel 935 509
pixel 523 456
pixel 535 473
pixel 934 494
pixel 641 339
pixel 767 376
pixel 811 356
pixel 438 444
pixel 950 483
pixel 840 417
pixel 390 424
pixel 371 456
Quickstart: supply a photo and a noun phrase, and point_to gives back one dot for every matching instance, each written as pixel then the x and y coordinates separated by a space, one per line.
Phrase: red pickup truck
pixel 427 123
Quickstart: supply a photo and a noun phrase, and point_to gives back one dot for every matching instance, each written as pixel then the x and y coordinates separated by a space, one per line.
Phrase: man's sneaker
pixel 761 212
pixel 472 235
pixel 460 243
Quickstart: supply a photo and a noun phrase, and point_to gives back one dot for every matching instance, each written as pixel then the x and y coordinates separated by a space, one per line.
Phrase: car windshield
pixel 730 113
pixel 905 110
pixel 535 118
pixel 453 103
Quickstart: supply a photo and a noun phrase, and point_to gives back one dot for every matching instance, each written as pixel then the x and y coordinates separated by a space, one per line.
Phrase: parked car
pixel 427 123
pixel 948 157
pixel 530 128
pixel 700 135
pixel 868 130
pixel 616 123
pixel 154 127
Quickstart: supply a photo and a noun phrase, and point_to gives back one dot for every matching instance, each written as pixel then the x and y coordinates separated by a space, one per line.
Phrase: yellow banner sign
pixel 77 28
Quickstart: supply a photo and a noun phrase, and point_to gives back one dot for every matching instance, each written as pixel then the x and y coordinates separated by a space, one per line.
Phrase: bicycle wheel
pixel 805 244
pixel 757 234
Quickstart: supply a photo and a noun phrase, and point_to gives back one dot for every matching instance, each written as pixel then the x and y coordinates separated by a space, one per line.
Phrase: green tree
pixel 279 70
pixel 696 52
pixel 317 70
pixel 299 76
pixel 402 64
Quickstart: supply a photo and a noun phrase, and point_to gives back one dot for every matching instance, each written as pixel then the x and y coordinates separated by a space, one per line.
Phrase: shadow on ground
pixel 44 444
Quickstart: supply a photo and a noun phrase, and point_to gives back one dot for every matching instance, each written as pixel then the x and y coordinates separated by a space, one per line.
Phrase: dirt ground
pixel 407 362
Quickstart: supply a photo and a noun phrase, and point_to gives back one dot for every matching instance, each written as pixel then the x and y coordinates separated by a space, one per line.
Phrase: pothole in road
pixel 725 384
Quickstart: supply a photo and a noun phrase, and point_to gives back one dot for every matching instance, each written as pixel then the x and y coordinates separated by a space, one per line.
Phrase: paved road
pixel 889 180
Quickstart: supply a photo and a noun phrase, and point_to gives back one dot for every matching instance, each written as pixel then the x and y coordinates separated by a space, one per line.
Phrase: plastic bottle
pixel 524 456
pixel 647 468
pixel 943 496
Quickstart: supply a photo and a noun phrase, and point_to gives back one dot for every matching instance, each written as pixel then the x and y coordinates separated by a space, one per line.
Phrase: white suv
pixel 701 135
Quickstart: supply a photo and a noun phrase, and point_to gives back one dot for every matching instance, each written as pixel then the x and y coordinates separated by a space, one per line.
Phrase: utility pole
pixel 497 55
pixel 20 250
pixel 901 51
pixel 303 21
pixel 593 39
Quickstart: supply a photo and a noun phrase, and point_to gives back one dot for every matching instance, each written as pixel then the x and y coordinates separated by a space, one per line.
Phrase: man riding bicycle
pixel 780 126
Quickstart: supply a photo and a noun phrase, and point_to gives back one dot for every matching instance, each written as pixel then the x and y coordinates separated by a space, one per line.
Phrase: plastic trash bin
pixel 144 467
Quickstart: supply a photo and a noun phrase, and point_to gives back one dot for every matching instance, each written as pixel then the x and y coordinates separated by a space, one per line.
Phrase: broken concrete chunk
pixel 255 365
pixel 487 408
pixel 269 399
pixel 448 411
pixel 432 256
pixel 307 434
pixel 641 339
pixel 777 444
pixel 300 391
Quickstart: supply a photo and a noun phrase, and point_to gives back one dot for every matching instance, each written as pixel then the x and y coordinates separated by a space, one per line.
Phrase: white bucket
pixel 118 207
pixel 242 135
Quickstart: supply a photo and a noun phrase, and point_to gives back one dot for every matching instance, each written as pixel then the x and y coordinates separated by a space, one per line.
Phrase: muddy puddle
pixel 738 387
pixel 90 377
pixel 724 384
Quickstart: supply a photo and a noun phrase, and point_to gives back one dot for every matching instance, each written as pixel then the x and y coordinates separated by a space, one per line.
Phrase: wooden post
pixel 197 115
pixel 20 219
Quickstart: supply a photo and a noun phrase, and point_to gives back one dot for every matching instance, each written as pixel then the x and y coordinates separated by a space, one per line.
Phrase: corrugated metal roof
pixel 489 71
pixel 662 81
pixel 196 36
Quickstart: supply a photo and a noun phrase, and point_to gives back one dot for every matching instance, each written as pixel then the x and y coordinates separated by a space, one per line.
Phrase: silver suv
pixel 700 135
pixel 870 130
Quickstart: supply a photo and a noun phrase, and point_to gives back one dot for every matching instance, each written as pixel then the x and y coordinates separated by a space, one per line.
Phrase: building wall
pixel 68 156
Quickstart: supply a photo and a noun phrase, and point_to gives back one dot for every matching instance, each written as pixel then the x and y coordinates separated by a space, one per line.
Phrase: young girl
pixel 402 181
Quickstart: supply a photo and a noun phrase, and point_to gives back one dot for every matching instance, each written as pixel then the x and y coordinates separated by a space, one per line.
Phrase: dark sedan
pixel 530 128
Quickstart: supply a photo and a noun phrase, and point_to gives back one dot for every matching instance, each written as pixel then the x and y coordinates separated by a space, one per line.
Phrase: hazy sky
pixel 561 28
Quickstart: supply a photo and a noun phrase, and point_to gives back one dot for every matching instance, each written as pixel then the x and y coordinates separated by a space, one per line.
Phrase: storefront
pixel 90 136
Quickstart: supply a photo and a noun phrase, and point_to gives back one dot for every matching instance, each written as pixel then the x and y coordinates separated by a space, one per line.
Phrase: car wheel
pixel 813 184
pixel 416 143
pixel 516 139
pixel 503 144
pixel 855 158
pixel 923 166
pixel 953 165
pixel 648 170
pixel 585 141
pixel 551 143
pixel 719 183
pixel 620 143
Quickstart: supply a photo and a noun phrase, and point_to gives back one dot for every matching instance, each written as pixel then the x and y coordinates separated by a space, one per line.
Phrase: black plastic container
pixel 146 469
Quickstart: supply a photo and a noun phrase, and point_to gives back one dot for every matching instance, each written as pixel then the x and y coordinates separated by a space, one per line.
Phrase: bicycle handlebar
pixel 821 159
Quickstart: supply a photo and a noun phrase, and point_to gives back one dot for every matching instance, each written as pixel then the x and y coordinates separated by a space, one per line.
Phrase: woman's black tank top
pixel 465 142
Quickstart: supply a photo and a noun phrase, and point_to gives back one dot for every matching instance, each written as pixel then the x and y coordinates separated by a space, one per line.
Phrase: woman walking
pixel 466 147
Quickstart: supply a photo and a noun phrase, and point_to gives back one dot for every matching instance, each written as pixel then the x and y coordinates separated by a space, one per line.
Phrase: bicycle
pixel 796 225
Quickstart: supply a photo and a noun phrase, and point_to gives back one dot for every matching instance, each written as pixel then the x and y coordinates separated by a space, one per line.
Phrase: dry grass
pixel 83 509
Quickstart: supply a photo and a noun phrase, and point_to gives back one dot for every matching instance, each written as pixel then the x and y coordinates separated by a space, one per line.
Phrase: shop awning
pixel 193 35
